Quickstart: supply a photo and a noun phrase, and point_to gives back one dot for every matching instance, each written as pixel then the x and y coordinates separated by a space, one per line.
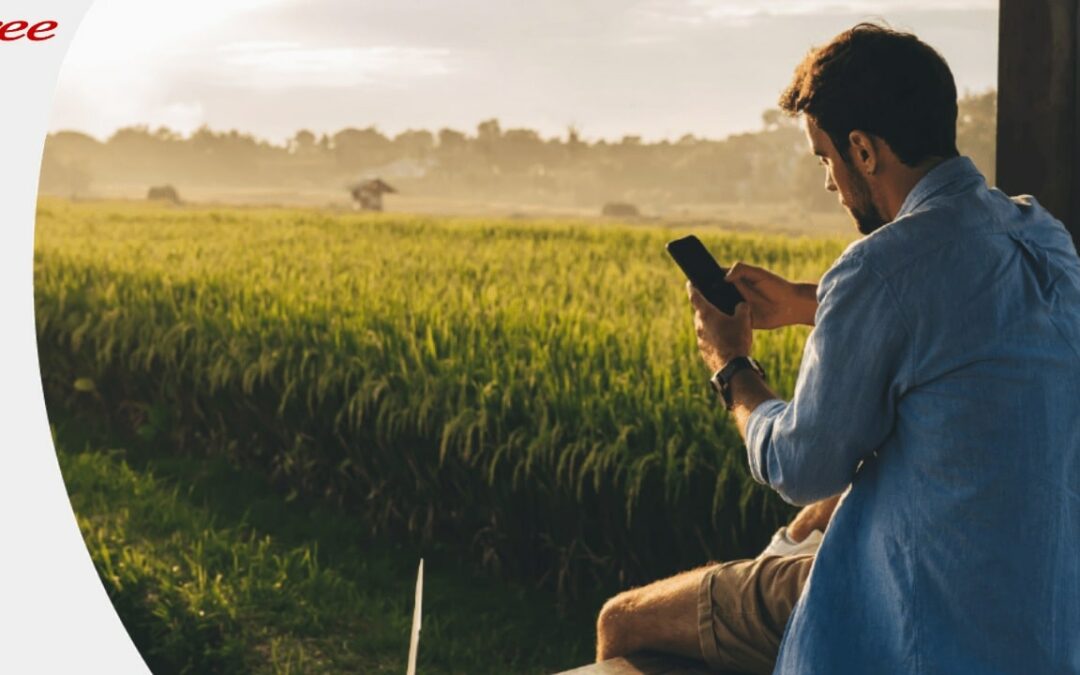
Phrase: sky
pixel 655 68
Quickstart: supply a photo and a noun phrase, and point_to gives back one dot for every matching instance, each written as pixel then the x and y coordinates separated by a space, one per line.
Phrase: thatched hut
pixel 367 195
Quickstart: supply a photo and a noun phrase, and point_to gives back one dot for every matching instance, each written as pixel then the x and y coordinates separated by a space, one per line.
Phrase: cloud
pixel 181 116
pixel 477 26
pixel 284 65
pixel 742 12
pixel 659 68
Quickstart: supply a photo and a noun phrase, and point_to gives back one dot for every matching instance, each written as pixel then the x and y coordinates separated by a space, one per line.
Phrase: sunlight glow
pixel 285 65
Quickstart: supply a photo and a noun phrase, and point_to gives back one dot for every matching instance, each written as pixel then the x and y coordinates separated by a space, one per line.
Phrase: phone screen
pixel 705 273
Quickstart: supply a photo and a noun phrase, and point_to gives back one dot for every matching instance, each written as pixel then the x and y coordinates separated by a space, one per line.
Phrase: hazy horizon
pixel 658 69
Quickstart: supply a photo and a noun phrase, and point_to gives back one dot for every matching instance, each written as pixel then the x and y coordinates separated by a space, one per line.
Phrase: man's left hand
pixel 720 337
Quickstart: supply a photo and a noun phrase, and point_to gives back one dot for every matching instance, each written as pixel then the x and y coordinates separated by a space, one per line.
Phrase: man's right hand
pixel 813 517
pixel 774 301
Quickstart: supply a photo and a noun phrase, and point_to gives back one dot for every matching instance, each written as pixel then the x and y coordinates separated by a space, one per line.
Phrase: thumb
pixel 742 311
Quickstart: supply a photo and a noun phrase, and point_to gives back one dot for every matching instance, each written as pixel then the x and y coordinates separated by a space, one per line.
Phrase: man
pixel 940 387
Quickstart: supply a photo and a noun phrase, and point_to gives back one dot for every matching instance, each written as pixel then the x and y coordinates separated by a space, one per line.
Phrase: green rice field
pixel 523 395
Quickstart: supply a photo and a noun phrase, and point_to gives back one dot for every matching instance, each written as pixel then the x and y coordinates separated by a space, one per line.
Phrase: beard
pixel 862 209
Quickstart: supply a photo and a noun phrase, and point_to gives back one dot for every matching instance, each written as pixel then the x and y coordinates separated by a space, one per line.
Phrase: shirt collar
pixel 951 172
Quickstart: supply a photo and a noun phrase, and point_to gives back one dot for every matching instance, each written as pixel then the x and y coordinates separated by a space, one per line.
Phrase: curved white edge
pixel 55 616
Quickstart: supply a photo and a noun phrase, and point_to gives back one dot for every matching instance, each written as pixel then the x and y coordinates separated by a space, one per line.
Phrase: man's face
pixel 842 177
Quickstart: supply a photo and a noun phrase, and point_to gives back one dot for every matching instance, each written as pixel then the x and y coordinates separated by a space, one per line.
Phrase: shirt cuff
pixel 758 435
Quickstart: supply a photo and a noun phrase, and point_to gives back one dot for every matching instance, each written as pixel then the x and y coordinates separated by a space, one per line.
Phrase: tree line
pixel 770 164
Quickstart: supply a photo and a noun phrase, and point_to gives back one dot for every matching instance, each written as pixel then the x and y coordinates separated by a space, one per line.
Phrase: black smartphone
pixel 705 273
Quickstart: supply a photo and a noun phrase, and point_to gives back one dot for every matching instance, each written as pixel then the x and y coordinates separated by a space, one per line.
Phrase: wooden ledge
pixel 645 664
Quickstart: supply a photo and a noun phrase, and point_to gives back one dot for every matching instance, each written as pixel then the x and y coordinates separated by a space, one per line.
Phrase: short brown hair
pixel 882 82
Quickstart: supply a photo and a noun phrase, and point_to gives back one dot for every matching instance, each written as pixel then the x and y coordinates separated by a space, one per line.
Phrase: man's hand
pixel 774 301
pixel 814 517
pixel 720 337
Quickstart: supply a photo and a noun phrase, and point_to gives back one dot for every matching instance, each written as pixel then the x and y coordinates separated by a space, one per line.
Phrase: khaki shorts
pixel 743 607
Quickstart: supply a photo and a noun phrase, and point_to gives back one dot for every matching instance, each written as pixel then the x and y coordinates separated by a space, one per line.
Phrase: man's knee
pixel 661 616
pixel 616 627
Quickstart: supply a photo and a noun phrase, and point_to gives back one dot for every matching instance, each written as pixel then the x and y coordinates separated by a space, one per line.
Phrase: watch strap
pixel 721 380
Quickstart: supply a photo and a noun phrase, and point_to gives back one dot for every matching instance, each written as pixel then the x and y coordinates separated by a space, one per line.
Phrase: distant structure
pixel 620 210
pixel 163 193
pixel 368 194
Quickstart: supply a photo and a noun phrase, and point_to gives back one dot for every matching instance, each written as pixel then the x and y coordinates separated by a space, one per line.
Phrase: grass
pixel 214 571
pixel 267 416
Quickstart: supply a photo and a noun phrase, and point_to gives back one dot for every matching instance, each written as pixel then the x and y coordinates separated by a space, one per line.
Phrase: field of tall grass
pixel 525 393
pixel 212 571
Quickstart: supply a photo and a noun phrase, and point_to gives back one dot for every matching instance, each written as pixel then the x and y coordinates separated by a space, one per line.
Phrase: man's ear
pixel 863 150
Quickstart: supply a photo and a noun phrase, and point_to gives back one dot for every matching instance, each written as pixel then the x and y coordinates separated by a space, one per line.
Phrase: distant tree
pixel 527 137
pixel 488 140
pixel 303 143
pixel 74 139
pixel 70 179
pixel 451 154
pixel 72 146
pixel 488 131
pixel 521 148
pixel 414 143
pixel 575 149
pixel 976 129
pixel 361 148
pixel 773 119
pixel 205 140
pixel 769 165
pixel 168 135
pixel 129 134
pixel 449 139
pixel 134 139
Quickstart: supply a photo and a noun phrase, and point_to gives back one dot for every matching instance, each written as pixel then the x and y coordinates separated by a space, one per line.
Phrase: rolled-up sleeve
pixel 852 374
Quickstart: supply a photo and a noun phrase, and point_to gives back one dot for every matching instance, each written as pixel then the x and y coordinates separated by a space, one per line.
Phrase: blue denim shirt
pixel 942 383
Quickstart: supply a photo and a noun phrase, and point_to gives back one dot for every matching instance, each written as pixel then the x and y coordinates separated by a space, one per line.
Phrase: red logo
pixel 41 31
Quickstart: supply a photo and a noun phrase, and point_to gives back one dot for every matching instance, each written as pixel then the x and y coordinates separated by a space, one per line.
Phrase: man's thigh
pixel 743 607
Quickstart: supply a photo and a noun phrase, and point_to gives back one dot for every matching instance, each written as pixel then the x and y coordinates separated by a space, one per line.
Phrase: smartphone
pixel 705 273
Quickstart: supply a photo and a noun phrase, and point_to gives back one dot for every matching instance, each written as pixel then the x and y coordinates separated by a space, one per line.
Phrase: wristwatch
pixel 721 379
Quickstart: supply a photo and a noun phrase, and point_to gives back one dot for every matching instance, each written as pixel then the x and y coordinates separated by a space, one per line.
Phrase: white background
pixel 54 614
pixel 55 617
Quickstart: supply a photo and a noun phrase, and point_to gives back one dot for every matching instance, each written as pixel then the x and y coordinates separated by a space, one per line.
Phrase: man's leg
pixel 661 616
pixel 730 615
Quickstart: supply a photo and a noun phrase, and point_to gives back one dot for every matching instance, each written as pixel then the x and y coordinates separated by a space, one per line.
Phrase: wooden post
pixel 1038 121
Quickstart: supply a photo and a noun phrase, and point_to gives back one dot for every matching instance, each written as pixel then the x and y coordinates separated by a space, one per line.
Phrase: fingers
pixel 746 278
pixel 749 273
pixel 750 291
pixel 693 294
pixel 699 302
pixel 702 306
pixel 741 271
